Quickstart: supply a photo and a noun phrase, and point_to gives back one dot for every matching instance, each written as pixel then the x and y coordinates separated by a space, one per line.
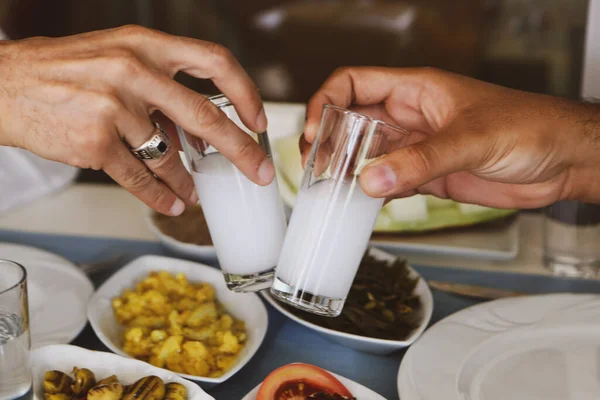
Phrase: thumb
pixel 410 167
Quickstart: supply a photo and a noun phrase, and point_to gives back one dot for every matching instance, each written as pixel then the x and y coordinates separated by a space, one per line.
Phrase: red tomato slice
pixel 297 381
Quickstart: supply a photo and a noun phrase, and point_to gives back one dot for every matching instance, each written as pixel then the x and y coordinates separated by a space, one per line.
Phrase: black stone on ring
pixel 155 147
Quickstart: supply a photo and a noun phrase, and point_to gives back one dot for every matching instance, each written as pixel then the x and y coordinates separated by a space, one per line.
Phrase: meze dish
pixel 382 302
pixel 179 325
pixel 411 308
pixel 189 227
pixel 302 381
pixel 82 383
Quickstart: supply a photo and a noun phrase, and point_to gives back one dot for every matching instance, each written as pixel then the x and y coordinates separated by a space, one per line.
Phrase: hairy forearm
pixel 5 104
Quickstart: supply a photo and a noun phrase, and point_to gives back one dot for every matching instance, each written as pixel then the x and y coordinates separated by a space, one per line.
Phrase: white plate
pixel 494 241
pixel 58 294
pixel 64 358
pixel 357 390
pixel 528 348
pixel 246 307
pixel 363 343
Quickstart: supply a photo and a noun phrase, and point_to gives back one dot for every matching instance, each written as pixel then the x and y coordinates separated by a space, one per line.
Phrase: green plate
pixel 442 214
pixel 442 218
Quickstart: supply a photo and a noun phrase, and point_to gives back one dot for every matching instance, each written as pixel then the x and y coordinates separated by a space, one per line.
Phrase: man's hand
pixel 470 141
pixel 83 100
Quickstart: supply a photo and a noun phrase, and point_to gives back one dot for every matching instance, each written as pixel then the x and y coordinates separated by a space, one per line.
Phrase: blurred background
pixel 290 47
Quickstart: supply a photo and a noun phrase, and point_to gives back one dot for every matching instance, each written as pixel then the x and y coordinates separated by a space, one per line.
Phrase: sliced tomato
pixel 297 381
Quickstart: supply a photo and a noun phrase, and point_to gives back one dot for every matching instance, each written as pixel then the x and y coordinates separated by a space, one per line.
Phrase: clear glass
pixel 333 218
pixel 246 221
pixel 572 239
pixel 15 371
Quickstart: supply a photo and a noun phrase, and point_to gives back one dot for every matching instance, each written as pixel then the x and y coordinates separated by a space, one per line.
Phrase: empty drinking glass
pixel 333 218
pixel 246 221
pixel 572 239
pixel 15 373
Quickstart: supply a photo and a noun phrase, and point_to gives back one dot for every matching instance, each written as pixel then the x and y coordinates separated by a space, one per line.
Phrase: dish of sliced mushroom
pixel 81 383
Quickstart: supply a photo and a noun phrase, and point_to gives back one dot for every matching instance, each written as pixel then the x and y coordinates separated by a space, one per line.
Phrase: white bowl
pixel 63 357
pixel 245 306
pixel 357 390
pixel 194 251
pixel 363 343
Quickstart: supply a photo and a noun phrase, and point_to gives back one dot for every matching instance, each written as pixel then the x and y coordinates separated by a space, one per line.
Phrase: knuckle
pixel 221 55
pixel 247 151
pixel 106 106
pixel 125 63
pixel 77 161
pixel 341 71
pixel 96 143
pixel 207 114
pixel 420 158
pixel 133 30
pixel 99 142
pixel 137 179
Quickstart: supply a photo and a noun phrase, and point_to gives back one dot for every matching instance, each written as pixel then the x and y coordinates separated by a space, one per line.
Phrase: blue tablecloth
pixel 287 341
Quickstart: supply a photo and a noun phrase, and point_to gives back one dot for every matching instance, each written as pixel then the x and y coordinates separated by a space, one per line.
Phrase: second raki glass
pixel 15 372
pixel 246 221
pixel 333 218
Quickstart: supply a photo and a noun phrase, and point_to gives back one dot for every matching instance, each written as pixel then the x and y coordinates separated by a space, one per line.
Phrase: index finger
pixel 197 115
pixel 206 60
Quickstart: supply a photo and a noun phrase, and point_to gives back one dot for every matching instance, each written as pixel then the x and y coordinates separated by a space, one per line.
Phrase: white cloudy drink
pixel 246 221
pixel 326 240
pixel 333 218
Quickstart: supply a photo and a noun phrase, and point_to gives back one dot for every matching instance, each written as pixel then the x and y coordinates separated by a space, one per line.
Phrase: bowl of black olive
pixel 388 307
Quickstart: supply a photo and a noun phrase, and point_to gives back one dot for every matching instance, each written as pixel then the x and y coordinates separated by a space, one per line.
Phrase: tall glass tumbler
pixel 571 239
pixel 15 372
pixel 246 221
pixel 333 218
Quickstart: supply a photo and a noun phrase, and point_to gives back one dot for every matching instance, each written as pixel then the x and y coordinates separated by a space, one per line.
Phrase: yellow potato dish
pixel 179 325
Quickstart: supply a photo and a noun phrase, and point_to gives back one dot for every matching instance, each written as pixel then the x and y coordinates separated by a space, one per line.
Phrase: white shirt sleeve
pixel 25 177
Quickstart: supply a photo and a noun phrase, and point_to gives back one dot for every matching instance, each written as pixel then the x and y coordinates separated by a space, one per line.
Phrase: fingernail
pixel 378 179
pixel 194 197
pixel 266 171
pixel 261 121
pixel 177 207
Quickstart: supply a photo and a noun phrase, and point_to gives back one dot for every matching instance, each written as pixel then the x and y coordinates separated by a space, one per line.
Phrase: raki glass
pixel 333 218
pixel 246 221
pixel 15 371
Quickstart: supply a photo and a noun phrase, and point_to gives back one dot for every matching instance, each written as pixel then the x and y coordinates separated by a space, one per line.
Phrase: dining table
pixel 90 222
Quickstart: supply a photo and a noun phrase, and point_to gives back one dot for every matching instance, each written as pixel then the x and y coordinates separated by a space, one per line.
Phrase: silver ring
pixel 155 147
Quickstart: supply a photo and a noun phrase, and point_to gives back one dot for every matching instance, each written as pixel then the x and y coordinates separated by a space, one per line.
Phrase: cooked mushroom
pixel 84 381
pixel 107 380
pixel 175 391
pixel 109 391
pixel 57 382
pixel 147 388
